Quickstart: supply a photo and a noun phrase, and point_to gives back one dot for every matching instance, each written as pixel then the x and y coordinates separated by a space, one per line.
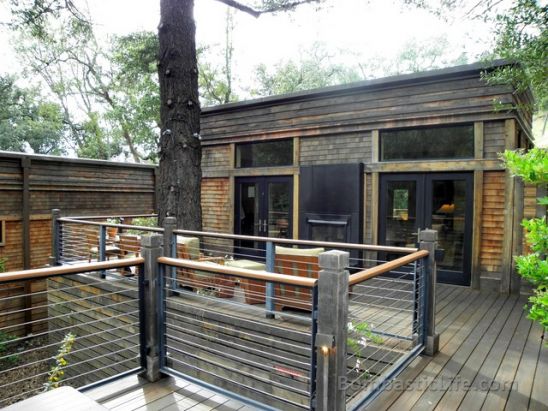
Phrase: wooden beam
pixel 434 166
pixel 296 183
pixel 264 171
pixel 478 140
pixel 365 200
pixel 375 208
pixel 296 151
pixel 510 138
pixel 517 235
pixel 26 168
pixel 476 229
pixel 375 146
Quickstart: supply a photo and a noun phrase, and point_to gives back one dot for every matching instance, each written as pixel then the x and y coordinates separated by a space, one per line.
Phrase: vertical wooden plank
pixel 295 216
pixel 517 235
pixel 231 186
pixel 25 168
pixel 476 229
pixel 296 151
pixel 375 207
pixel 375 142
pixel 365 199
pixel 478 139
pixel 510 137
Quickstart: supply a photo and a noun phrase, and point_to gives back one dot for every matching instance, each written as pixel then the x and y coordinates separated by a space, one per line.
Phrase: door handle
pixel 265 225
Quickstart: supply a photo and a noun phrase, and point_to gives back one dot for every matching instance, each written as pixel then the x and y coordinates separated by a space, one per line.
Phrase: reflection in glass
pixel 428 143
pixel 448 205
pixel 278 210
pixel 401 218
pixel 265 154
pixel 249 212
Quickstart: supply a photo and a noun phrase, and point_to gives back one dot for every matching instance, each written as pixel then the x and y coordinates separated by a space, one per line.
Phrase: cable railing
pixel 274 322
pixel 85 328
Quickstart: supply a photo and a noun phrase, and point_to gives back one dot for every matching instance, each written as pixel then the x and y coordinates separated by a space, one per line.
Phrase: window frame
pixel 427 127
pixel 2 233
pixel 291 140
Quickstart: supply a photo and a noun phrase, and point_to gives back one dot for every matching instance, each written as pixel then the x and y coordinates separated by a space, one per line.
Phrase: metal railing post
pixel 55 257
pixel 151 247
pixel 170 247
pixel 428 240
pixel 270 257
pixel 331 337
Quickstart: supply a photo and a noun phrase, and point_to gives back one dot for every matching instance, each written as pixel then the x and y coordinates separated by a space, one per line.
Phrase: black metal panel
pixel 334 194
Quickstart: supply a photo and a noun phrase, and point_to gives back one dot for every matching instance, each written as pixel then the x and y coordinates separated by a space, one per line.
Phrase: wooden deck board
pixel 485 337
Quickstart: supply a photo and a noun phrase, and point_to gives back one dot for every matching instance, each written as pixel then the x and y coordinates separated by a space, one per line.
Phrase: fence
pixel 269 321
pixel 86 329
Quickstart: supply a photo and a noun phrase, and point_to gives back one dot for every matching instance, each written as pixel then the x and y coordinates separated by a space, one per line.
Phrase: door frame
pixel 262 182
pixel 424 219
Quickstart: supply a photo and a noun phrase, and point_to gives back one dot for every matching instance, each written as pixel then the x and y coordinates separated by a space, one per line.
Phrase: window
pixel 2 232
pixel 265 154
pixel 427 143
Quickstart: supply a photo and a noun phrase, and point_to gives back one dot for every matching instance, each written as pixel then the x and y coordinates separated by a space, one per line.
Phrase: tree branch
pixel 282 6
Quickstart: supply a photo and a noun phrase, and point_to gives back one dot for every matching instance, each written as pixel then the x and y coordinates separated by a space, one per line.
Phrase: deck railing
pixel 279 323
pixel 87 326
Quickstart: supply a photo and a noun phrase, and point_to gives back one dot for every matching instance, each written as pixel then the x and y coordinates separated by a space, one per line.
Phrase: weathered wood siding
pixel 493 139
pixel 492 229
pixel 397 104
pixel 215 160
pixel 338 149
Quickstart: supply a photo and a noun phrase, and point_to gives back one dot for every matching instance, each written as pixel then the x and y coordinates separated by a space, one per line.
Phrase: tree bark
pixel 180 149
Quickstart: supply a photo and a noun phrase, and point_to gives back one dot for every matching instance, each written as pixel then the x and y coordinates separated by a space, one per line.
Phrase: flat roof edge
pixel 45 157
pixel 448 72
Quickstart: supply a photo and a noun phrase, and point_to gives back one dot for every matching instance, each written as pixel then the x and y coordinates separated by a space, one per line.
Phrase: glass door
pixel 263 208
pixel 410 202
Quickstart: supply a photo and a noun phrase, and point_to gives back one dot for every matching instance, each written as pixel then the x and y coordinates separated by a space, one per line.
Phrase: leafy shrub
pixel 532 167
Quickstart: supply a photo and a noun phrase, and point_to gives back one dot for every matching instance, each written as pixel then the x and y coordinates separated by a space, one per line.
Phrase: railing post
pixel 332 332
pixel 170 247
pixel 55 257
pixel 428 240
pixel 270 257
pixel 151 247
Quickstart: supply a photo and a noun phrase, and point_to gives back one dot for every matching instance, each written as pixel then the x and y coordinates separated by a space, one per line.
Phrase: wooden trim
pixel 264 171
pixel 476 229
pixel 2 233
pixel 296 183
pixel 435 166
pixel 375 146
pixel 69 269
pixel 375 208
pixel 478 140
pixel 240 272
pixel 232 154
pixel 386 267
pixel 296 151
pixel 517 235
pixel 25 168
pixel 231 201
pixel 365 199
pixel 510 142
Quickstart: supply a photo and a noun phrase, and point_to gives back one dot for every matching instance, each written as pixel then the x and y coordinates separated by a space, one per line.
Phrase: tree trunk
pixel 180 150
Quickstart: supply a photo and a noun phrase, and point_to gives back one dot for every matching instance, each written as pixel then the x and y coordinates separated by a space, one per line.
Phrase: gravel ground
pixel 23 375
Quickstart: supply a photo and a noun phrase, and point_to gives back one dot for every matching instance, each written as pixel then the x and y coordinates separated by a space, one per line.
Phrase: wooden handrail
pixel 69 269
pixel 386 267
pixel 240 272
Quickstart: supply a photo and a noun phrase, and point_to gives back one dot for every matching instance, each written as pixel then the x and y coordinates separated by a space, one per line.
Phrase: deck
pixel 491 357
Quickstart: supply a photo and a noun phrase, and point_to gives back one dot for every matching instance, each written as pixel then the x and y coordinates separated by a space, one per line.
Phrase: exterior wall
pixel 493 139
pixel 338 149
pixel 492 230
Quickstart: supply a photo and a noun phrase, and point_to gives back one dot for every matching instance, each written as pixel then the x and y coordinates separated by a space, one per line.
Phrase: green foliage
pixel 532 167
pixel 522 37
pixel 56 373
pixel 3 264
pixel 26 119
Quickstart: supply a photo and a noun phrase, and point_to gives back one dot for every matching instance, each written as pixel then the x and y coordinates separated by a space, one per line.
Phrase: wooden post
pixel 332 331
pixel 25 166
pixel 170 247
pixel 517 235
pixel 428 240
pixel 151 246
pixel 270 261
pixel 55 238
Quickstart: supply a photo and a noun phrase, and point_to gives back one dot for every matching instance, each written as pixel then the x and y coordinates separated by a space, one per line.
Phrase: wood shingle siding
pixel 492 225
pixel 493 139
pixel 215 159
pixel 352 148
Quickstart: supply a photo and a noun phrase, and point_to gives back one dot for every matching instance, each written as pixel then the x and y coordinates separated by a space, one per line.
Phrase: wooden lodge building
pixel 367 162
pixel 373 162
